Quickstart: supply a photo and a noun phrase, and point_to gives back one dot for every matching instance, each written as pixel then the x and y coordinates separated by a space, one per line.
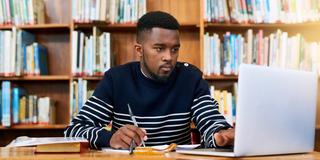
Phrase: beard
pixel 154 76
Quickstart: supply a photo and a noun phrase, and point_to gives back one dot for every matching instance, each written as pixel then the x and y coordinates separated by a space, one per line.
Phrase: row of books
pixel 91 55
pixel 223 56
pixel 262 11
pixel 113 11
pixel 19 107
pixel 20 12
pixel 227 102
pixel 21 55
pixel 78 95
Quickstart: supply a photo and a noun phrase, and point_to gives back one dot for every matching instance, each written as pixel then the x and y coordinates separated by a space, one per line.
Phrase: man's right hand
pixel 124 135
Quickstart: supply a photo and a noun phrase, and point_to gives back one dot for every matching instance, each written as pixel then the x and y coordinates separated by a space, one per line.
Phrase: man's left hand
pixel 224 137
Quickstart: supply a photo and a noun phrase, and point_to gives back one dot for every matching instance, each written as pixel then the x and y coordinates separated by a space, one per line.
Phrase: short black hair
pixel 156 19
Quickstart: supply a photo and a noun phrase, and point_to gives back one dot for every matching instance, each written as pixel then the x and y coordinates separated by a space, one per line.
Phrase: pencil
pixel 134 122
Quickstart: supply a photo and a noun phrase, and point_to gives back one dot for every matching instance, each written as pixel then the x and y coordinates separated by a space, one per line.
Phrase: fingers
pixel 224 137
pixel 220 139
pixel 135 133
pixel 123 137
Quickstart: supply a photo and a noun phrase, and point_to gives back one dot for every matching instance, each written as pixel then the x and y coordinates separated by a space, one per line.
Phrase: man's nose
pixel 167 56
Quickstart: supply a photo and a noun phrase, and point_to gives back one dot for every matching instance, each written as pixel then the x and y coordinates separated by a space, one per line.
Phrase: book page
pixel 157 147
pixel 25 141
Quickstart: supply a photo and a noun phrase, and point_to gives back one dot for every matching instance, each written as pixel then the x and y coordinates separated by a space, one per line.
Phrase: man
pixel 164 95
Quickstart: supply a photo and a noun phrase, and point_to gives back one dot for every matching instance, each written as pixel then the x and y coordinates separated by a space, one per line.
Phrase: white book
pixel 229 116
pixel 217 58
pixel 103 10
pixel 74 52
pixel 112 11
pixel 74 10
pixel 265 51
pixel 283 49
pixel 249 46
pixel 81 52
pixel 108 45
pixel 101 51
pixel 89 11
pixel 1 14
pixel 84 91
pixel 7 53
pixel 13 51
pixel 206 52
pixel 97 10
pixel 86 57
pixel 31 11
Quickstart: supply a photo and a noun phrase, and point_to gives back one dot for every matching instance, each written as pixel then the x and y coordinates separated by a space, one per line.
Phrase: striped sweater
pixel 164 110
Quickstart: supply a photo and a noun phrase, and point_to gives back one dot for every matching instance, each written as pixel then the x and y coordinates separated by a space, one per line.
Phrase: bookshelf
pixel 56 35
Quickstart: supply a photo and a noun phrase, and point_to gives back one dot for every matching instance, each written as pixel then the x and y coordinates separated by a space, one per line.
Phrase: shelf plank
pixel 220 77
pixel 35 126
pixel 131 26
pixel 93 78
pixel 103 25
pixel 261 26
pixel 5 26
pixel 45 26
pixel 37 78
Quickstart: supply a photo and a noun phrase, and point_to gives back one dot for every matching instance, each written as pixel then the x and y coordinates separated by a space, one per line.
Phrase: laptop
pixel 276 113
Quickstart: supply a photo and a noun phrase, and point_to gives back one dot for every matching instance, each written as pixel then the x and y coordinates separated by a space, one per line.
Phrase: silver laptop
pixel 276 113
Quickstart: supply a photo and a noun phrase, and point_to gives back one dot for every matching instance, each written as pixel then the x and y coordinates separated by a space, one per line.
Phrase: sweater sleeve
pixel 205 114
pixel 96 113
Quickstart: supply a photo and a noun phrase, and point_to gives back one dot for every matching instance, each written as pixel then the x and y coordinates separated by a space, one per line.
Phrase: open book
pixel 52 144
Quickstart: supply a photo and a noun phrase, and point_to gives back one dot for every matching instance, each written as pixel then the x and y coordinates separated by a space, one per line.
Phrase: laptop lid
pixel 276 111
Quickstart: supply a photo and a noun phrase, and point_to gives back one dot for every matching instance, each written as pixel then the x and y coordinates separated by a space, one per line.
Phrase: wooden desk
pixel 28 153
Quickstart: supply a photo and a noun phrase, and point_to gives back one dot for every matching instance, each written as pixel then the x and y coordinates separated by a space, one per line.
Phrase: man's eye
pixel 174 50
pixel 158 49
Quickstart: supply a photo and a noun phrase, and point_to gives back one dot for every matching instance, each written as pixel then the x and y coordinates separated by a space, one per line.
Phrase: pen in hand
pixel 134 122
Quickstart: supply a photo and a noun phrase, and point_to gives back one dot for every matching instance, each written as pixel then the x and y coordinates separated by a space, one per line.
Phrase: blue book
pixel 15 105
pixel 26 38
pixel 17 93
pixel 233 52
pixel 80 93
pixel 40 59
pixel 6 117
pixel 0 105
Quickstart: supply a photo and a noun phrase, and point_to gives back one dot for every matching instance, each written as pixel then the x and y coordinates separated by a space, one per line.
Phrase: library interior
pixel 53 54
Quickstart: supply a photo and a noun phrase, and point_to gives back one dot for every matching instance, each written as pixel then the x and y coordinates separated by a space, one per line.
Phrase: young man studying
pixel 164 96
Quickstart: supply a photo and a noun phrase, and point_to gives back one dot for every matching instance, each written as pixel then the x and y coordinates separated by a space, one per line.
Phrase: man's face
pixel 158 51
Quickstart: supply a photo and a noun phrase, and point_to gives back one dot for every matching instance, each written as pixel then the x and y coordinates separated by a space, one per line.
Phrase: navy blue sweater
pixel 164 110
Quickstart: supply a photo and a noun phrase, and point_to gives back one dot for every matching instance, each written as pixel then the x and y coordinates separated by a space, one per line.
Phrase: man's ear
pixel 138 49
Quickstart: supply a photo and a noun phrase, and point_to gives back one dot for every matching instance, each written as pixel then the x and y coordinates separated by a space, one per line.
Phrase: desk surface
pixel 28 153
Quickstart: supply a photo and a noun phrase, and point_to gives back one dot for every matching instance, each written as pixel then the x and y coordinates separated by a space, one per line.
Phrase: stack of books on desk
pixel 52 144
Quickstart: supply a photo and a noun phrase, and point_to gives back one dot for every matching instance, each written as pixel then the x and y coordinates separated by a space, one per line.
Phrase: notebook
pixel 275 114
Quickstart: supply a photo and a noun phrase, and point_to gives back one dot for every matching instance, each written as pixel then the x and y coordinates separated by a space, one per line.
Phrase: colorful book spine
pixel 6 98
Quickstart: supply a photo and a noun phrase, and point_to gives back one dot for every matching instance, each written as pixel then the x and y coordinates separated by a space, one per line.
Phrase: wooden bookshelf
pixel 45 26
pixel 54 34
pixel 34 127
pixel 130 26
pixel 221 78
pixel 36 78
pixel 90 78
pixel 3 27
pixel 261 26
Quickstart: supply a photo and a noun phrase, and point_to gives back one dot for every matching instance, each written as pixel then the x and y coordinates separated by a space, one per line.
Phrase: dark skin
pixel 158 50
